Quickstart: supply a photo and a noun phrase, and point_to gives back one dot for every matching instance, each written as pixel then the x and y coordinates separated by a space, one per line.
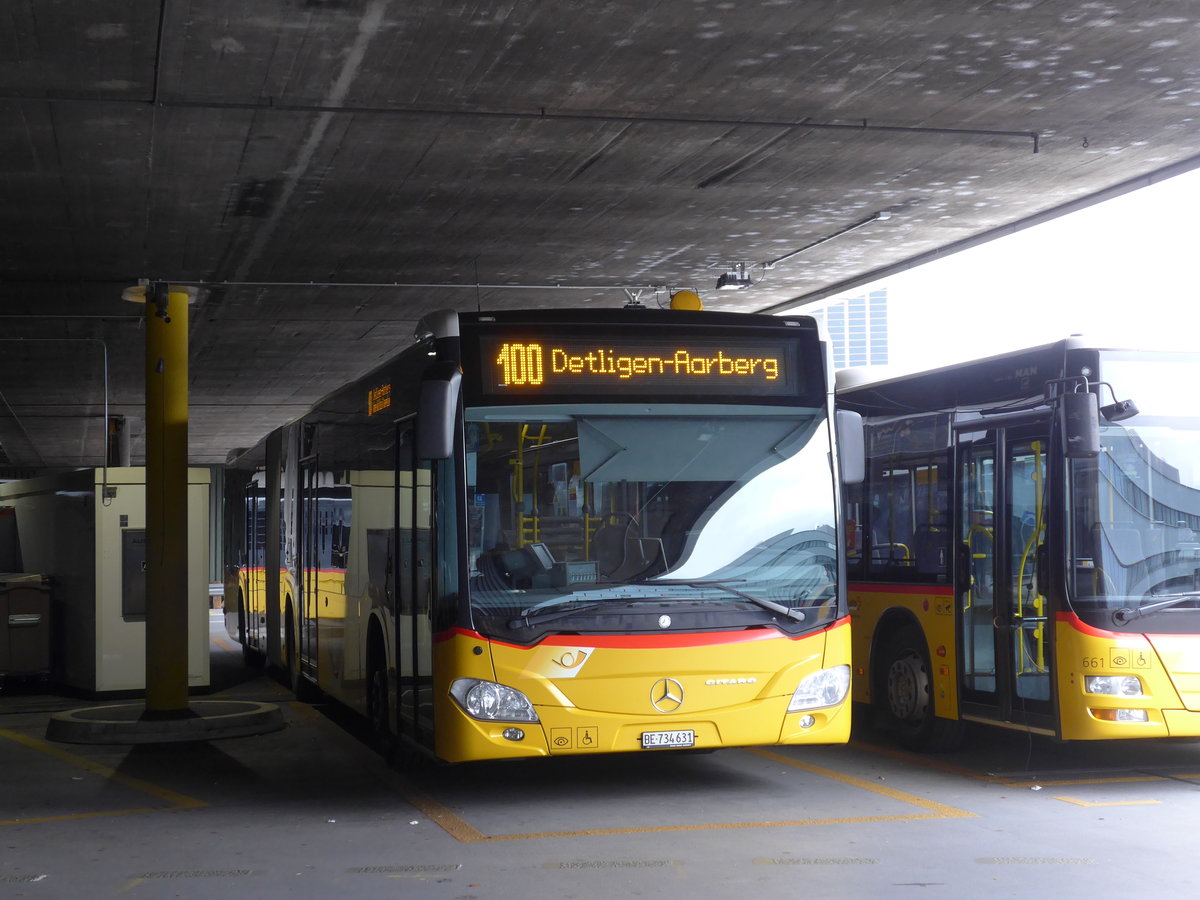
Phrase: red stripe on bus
pixel 642 641
pixel 872 588
pixel 1069 618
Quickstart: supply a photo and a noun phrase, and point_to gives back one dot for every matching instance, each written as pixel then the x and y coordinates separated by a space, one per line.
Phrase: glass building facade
pixel 858 329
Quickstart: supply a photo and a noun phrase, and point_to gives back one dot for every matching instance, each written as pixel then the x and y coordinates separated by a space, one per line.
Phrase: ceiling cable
pixel 464 285
pixel 543 114
pixel 880 216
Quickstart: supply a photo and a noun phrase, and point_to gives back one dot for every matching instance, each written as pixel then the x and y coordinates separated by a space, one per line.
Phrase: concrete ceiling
pixel 329 170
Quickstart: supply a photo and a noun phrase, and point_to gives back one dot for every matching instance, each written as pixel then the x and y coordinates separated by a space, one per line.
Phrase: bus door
pixel 414 631
pixel 309 536
pixel 1005 633
pixel 253 582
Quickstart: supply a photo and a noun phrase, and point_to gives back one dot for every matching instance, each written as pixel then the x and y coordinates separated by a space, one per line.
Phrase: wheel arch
pixel 377 661
pixel 377 643
pixel 893 620
pixel 234 615
pixel 930 732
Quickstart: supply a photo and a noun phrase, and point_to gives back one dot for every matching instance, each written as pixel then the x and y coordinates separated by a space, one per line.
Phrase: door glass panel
pixel 310 562
pixel 1027 529
pixel 976 589
pixel 254 612
pixel 423 595
pixel 414 652
pixel 892 520
pixel 405 579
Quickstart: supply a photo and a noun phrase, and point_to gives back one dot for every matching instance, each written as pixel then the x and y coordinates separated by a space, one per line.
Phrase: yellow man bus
pixel 1025 549
pixel 560 532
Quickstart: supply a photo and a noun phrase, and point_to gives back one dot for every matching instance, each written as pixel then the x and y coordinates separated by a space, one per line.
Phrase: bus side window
pixel 931 540
pixel 855 518
pixel 891 528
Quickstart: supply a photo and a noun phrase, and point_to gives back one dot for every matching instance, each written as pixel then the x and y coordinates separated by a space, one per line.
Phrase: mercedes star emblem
pixel 666 695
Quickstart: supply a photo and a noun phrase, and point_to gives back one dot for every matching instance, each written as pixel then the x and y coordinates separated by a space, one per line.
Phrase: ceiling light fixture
pixel 734 279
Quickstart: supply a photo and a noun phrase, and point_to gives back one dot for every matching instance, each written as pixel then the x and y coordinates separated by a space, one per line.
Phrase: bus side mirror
pixel 851 446
pixel 437 407
pixel 1081 425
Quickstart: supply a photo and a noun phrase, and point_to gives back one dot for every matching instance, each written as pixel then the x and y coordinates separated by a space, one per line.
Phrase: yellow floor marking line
pixel 70 817
pixel 439 814
pixel 465 833
pixel 940 810
pixel 173 799
pixel 964 772
pixel 715 826
pixel 1070 782
pixel 225 645
pixel 1109 803
pixel 927 762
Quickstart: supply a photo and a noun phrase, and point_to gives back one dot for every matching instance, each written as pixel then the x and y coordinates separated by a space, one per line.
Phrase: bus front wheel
pixel 905 695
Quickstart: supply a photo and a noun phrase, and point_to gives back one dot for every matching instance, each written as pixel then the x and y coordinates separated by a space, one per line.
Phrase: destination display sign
pixel 529 365
pixel 379 398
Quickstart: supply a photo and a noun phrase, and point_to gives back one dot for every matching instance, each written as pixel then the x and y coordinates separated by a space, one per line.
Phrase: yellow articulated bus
pixel 1025 548
pixel 559 532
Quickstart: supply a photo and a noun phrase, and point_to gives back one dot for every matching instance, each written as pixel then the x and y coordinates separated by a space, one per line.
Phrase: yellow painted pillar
pixel 166 502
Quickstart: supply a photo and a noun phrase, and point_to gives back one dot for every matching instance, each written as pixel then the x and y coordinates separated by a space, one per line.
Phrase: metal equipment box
pixel 85 530
pixel 25 619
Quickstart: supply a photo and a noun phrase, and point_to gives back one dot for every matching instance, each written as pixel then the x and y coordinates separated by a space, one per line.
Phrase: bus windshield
pixel 601 521
pixel 1136 528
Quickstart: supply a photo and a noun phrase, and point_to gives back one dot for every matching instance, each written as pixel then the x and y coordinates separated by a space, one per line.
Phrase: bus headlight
pixel 1113 685
pixel 492 702
pixel 827 687
pixel 1120 715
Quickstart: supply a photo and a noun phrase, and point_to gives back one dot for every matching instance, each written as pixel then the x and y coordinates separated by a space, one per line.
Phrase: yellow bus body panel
pixel 596 694
pixel 932 608
pixel 1167 665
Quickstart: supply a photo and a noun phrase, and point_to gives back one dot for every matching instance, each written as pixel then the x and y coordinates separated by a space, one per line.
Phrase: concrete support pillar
pixel 166 502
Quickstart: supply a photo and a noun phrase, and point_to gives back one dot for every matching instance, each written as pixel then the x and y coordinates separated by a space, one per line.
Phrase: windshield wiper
pixel 525 620
pixel 769 605
pixel 1125 615
pixel 564 606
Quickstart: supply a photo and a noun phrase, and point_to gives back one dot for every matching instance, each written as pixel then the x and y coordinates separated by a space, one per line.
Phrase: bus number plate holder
pixel 654 739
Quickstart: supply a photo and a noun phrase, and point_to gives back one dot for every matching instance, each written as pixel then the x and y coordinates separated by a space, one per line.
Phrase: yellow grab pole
pixel 166 502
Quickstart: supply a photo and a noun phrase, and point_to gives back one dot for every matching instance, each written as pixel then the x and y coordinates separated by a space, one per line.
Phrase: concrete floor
pixel 310 811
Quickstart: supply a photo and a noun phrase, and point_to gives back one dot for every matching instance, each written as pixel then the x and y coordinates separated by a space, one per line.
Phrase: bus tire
pixel 301 687
pixel 377 712
pixel 252 657
pixel 904 695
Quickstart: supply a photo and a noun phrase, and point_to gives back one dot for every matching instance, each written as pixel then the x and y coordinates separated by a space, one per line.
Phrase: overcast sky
pixel 1126 271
